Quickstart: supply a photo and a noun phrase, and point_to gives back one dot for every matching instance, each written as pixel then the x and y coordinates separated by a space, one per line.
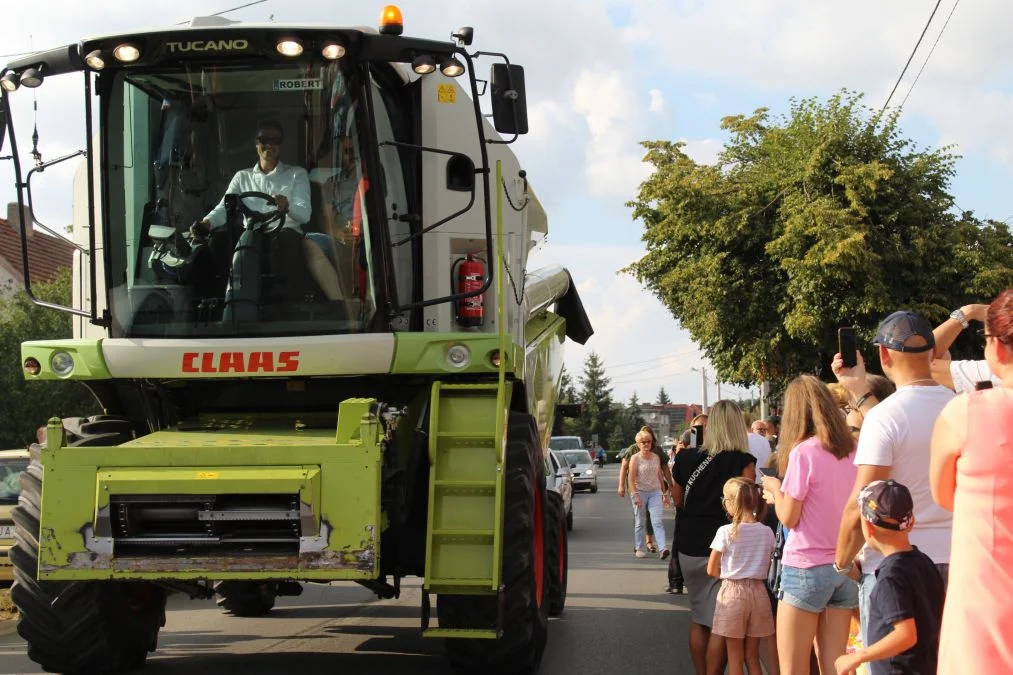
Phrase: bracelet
pixel 844 570
pixel 862 399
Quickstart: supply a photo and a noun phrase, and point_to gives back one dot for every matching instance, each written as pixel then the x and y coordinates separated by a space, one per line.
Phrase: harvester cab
pixel 301 296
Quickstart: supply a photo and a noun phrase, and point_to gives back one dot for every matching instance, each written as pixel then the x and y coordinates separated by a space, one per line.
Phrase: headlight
pixel 458 356
pixel 589 472
pixel 62 363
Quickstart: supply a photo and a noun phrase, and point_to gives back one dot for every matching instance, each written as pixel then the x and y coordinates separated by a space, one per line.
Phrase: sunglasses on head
pixel 269 140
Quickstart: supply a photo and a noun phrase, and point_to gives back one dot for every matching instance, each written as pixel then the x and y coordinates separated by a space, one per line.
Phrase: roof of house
pixel 47 254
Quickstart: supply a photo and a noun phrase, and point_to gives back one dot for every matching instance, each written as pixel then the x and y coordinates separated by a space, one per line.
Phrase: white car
pixel 583 468
pixel 558 479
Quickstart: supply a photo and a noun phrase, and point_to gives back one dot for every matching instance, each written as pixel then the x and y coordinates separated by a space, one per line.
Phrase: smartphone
pixel 696 436
pixel 847 346
pixel 767 471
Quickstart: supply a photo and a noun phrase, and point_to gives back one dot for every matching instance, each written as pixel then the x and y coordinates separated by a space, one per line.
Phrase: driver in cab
pixel 289 186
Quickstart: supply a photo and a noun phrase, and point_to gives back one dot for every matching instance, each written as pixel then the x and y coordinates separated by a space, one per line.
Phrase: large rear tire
pixel 525 592
pixel 558 554
pixel 246 598
pixel 77 627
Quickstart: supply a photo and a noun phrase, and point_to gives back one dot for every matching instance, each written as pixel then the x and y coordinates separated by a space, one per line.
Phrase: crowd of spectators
pixel 892 507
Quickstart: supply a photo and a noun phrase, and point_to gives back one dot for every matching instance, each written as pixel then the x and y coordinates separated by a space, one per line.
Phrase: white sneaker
pixel 640 553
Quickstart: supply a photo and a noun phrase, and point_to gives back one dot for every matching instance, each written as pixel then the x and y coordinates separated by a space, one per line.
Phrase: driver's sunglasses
pixel 269 140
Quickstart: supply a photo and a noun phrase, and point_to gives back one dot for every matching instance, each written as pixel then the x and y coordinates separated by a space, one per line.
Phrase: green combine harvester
pixel 301 296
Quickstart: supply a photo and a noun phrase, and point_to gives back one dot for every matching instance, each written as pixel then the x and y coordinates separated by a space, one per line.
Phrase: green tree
pixel 596 396
pixel 821 218
pixel 626 423
pixel 25 406
pixel 663 398
pixel 567 392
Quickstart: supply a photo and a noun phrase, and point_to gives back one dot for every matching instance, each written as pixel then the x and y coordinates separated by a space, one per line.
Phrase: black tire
pixel 246 598
pixel 558 554
pixel 525 591
pixel 594 487
pixel 80 626
pixel 569 519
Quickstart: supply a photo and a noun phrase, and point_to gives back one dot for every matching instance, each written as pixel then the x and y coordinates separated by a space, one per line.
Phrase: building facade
pixel 47 255
pixel 669 419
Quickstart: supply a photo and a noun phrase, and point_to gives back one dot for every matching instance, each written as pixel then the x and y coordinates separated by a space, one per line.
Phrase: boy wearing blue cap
pixel 906 606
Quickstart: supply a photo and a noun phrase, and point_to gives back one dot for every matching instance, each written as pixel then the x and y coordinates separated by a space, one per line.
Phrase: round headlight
pixel 589 472
pixel 95 60
pixel 62 363
pixel 451 67
pixel 127 53
pixel 424 64
pixel 290 48
pixel 32 366
pixel 333 51
pixel 458 356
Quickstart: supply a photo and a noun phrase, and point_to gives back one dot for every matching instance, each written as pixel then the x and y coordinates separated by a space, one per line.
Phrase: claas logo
pixel 240 362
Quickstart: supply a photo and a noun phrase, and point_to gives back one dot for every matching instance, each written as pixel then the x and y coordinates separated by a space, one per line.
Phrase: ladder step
pixel 466 435
pixel 477 484
pixel 464 533
pixel 467 633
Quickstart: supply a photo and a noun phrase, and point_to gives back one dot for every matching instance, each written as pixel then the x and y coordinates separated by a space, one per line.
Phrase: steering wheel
pixel 264 221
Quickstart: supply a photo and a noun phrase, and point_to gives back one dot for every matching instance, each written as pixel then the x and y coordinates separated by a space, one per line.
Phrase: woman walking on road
pixel 700 475
pixel 647 480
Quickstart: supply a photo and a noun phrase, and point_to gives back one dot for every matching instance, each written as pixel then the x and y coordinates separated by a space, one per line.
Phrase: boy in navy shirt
pixel 906 607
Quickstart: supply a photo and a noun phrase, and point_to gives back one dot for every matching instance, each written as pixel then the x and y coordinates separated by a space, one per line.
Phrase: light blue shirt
pixel 289 181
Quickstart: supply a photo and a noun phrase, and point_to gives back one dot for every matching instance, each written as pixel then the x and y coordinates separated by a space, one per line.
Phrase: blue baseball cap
pixel 900 327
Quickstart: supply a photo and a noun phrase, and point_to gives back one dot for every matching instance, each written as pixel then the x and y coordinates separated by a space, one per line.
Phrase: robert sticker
pixel 307 84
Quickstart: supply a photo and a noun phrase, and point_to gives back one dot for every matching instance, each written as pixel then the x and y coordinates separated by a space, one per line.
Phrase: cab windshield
pixel 237 200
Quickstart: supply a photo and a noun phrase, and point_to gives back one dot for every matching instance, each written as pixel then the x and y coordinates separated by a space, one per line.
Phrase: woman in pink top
pixel 972 450
pixel 816 457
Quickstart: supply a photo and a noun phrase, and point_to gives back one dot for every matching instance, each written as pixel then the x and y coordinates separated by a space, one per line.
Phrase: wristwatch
pixel 844 571
pixel 958 315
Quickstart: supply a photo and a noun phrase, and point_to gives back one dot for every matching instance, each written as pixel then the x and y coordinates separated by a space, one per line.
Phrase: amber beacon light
pixel 391 22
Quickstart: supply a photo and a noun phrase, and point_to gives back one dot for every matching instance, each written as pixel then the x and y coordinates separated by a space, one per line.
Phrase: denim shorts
pixel 813 589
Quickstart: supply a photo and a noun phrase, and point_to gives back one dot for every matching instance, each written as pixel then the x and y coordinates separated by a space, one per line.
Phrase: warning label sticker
pixel 305 84
pixel 446 93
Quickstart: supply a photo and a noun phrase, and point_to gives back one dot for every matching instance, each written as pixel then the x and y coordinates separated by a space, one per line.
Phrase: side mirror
pixel 509 103
pixel 563 473
pixel 573 466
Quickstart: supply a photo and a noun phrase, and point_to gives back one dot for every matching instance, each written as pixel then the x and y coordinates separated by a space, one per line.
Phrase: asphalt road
pixel 618 619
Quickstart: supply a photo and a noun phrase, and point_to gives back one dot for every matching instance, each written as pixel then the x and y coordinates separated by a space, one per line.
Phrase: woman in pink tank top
pixel 972 452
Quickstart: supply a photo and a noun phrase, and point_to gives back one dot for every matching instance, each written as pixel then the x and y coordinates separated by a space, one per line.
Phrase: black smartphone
pixel 847 346
pixel 767 471
pixel 696 436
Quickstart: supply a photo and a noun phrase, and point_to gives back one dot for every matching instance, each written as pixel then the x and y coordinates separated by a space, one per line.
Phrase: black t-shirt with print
pixel 908 586
pixel 702 514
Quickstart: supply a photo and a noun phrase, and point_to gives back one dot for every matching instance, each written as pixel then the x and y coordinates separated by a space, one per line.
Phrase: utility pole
pixel 703 374
pixel 719 389
pixel 764 392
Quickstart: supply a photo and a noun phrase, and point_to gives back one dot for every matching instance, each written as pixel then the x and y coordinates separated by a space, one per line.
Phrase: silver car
pixel 558 479
pixel 583 468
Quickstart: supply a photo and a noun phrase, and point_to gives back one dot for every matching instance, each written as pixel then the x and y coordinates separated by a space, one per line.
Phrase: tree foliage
pixel 596 396
pixel 824 217
pixel 25 406
pixel 663 398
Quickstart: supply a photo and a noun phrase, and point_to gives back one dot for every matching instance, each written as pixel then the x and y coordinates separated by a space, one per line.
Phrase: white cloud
pixel 657 101
pixel 614 166
pixel 703 151
pixel 641 345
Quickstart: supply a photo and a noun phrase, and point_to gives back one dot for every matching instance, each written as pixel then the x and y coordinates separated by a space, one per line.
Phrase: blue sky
pixel 603 75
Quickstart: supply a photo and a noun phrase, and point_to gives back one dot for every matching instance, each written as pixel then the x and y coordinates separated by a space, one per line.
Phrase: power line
pixel 917 44
pixel 226 11
pixel 925 63
pixel 656 359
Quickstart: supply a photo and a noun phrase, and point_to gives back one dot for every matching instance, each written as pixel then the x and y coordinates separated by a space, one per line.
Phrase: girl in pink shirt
pixel 816 458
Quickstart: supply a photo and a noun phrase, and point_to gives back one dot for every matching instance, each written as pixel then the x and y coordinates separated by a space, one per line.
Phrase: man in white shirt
pixel 960 376
pixel 894 444
pixel 759 447
pixel 289 186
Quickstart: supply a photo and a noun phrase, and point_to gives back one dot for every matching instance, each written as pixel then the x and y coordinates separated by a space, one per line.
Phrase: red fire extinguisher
pixel 470 277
